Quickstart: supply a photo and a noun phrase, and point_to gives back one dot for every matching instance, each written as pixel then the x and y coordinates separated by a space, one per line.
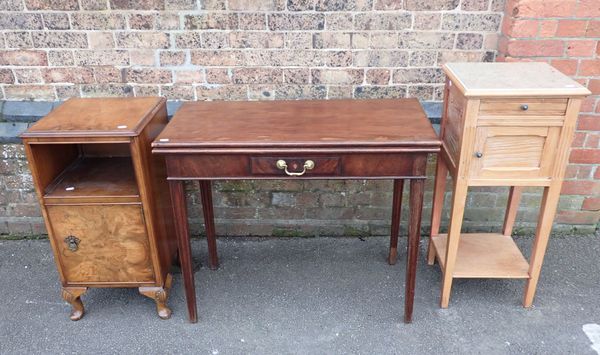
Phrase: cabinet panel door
pixel 514 152
pixel 101 243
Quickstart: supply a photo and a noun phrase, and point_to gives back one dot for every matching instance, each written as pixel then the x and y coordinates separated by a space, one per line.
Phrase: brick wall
pixel 566 34
pixel 240 50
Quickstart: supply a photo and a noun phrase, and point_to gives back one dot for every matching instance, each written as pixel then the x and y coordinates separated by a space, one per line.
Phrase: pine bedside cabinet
pixel 503 124
pixel 104 196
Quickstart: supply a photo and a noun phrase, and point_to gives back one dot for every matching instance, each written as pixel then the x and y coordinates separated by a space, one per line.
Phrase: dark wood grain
pixel 395 228
pixel 417 187
pixel 299 124
pixel 180 216
pixel 209 222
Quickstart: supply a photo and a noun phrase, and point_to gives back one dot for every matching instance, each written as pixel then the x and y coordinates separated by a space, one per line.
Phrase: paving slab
pixel 307 296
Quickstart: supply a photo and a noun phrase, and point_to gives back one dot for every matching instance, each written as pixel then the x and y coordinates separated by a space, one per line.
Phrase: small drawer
pixel 523 107
pixel 303 166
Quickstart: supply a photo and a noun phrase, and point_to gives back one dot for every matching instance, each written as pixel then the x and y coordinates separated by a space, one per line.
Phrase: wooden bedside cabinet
pixel 503 124
pixel 104 196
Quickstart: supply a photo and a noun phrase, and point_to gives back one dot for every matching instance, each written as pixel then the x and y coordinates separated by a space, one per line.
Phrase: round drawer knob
pixel 478 154
pixel 524 107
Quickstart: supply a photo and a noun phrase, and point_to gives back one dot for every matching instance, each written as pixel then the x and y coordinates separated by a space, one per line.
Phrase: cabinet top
pixel 512 79
pixel 96 117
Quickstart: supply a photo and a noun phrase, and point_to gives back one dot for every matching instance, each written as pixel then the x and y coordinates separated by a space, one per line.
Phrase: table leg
pixel 395 229
pixel 514 198
pixel 209 222
pixel 183 242
pixel 439 189
pixel 414 235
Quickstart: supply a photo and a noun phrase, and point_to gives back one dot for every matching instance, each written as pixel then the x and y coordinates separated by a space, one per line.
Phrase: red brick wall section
pixel 566 34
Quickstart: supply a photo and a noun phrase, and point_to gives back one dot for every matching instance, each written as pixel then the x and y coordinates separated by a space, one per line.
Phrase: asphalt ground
pixel 308 296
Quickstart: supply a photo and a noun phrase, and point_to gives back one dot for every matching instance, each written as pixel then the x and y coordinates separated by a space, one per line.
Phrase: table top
pixel 96 117
pixel 299 124
pixel 512 79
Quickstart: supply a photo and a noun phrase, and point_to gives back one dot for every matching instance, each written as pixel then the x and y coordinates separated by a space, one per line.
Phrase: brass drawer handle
pixel 524 107
pixel 308 165
pixel 72 242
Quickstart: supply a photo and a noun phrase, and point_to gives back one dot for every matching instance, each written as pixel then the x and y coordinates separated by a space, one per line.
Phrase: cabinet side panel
pixel 152 178
pixel 454 122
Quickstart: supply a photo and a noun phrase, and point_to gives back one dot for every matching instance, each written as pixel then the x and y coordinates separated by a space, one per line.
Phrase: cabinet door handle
pixel 72 242
pixel 524 107
pixel 478 154
pixel 282 165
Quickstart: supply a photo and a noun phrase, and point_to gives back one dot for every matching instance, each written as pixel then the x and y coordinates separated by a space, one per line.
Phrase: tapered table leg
pixel 209 222
pixel 183 243
pixel 414 235
pixel 395 229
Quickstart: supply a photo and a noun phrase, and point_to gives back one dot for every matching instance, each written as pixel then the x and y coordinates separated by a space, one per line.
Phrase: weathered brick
pixel 462 56
pixel 296 76
pixel 188 76
pixel 581 48
pixel 6 76
pixel 21 21
pixel 300 5
pixel 64 92
pixel 418 75
pixel 217 58
pixel 215 21
pixel 593 29
pixel 180 4
pixel 226 92
pixel 167 21
pixel 137 4
pixel 23 57
pixel 94 4
pixel 142 57
pixel 213 4
pixel 383 40
pixel 101 40
pixel 384 21
pixel 177 92
pixel 566 66
pixel 188 40
pixel 142 40
pixel 423 58
pixel 257 76
pixel 588 8
pixel 331 40
pixel 381 58
pixel 431 5
pixel 474 5
pixel 56 21
pixel 142 21
pixel 28 76
pixel 308 21
pixel 29 92
pixel 296 92
pixel 215 40
pixel 171 58
pixel 109 74
pixel 426 40
pixel 469 41
pixel 339 21
pixel 571 28
pixel 471 22
pixel 589 67
pixel 69 75
pixel 60 58
pixel 591 204
pixel 60 39
pixel 377 76
pixel 11 5
pixel 344 5
pixel 298 40
pixel 218 76
pixel 145 90
pixel 421 92
pixel 19 39
pixel 535 48
pixel 388 5
pixel 427 21
pixel 332 76
pixel 379 92
pixel 52 5
pixel 148 75
pixel 252 21
pixel 106 90
pixel 548 28
pixel 101 57
pixel 248 39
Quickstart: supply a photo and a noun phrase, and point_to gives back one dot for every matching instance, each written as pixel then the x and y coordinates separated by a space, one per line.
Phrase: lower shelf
pixel 484 255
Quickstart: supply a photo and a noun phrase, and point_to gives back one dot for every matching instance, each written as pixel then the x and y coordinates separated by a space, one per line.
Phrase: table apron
pixel 325 166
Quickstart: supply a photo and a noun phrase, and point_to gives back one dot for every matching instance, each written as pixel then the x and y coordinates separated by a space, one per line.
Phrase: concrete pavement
pixel 306 296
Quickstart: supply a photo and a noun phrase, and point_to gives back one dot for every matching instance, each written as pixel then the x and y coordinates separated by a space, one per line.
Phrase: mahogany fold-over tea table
pixel 339 139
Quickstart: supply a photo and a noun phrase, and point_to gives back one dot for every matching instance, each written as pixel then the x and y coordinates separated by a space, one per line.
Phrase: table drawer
pixel 295 166
pixel 200 166
pixel 523 107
